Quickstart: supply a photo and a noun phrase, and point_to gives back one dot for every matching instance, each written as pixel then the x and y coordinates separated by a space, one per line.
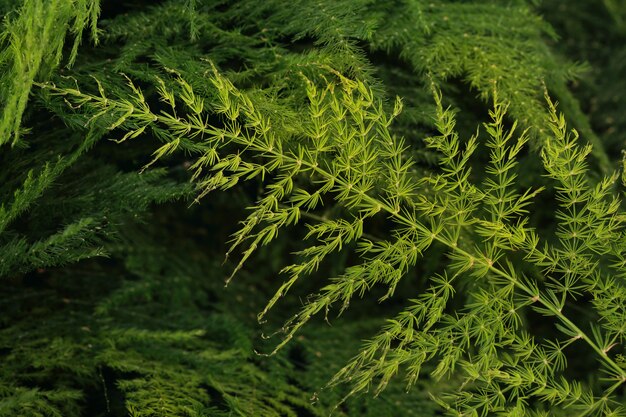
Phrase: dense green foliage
pixel 388 189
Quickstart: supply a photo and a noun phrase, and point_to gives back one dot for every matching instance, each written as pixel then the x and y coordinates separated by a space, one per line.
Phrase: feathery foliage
pixel 32 46
pixel 415 178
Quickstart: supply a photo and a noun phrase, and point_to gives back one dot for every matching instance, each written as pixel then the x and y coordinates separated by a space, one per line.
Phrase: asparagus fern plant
pixel 417 179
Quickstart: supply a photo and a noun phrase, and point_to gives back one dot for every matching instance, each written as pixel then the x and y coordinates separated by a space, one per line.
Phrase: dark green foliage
pixel 143 336
pixel 398 170
pixel 599 90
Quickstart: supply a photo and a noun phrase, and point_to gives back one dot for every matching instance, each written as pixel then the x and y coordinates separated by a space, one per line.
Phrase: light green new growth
pixel 32 44
pixel 343 149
